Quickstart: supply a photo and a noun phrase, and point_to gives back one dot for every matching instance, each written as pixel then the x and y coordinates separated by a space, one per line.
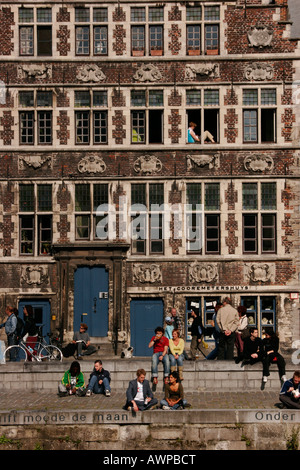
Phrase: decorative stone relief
pixel 213 161
pixel 147 273
pixel 148 73
pixel 91 164
pixel 34 71
pixel 90 73
pixel 206 70
pixel 259 163
pixel 259 272
pixel 260 35
pixel 147 165
pixel 203 272
pixel 34 275
pixel 259 71
pixel 34 161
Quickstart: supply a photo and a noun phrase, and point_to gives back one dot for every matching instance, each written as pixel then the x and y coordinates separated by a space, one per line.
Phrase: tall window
pixel 147 116
pixel 202 30
pixel 147 218
pixel 91 31
pixel 202 108
pixel 203 218
pixel 259 217
pixel 141 44
pixel 88 198
pixel 35 219
pixel 35 23
pixel 35 117
pixel 91 117
pixel 259 115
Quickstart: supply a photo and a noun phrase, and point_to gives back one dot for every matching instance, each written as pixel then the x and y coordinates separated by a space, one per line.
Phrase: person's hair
pixel 218 306
pixel 269 331
pixel 140 372
pixel 253 328
pixel 10 309
pixel 84 325
pixel 29 310
pixel 159 328
pixel 99 361
pixel 176 331
pixel 175 374
pixel 297 373
pixel 75 364
pixel 16 311
pixel 192 124
pixel 242 309
pixel 227 300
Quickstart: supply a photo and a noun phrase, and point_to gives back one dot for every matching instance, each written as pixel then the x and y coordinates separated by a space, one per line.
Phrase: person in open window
pixel 193 137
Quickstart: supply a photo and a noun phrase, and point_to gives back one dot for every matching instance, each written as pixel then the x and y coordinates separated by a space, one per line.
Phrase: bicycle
pixel 41 351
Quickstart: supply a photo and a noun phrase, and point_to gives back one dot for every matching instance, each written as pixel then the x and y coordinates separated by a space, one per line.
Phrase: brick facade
pixel 253 58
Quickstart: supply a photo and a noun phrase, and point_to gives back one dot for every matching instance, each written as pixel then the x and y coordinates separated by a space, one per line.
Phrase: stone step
pixel 198 375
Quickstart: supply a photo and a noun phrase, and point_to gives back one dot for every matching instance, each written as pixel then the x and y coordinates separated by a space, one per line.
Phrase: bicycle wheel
pixel 15 354
pixel 50 353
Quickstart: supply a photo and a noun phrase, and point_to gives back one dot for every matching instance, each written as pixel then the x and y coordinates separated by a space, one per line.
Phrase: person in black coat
pixel 99 381
pixel 197 334
pixel 272 356
pixel 139 395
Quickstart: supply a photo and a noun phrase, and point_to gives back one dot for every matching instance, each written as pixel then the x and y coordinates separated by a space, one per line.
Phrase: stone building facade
pixel 108 215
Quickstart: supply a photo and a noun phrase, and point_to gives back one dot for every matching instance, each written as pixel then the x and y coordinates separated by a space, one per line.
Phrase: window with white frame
pixel 91 116
pixel 91 209
pixel 35 219
pixel 147 31
pixel 147 116
pixel 203 109
pixel 35 31
pixel 91 31
pixel 203 30
pixel 259 115
pixel 259 217
pixel 35 117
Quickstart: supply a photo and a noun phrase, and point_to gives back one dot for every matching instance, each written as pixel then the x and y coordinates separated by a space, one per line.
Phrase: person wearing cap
pixel 169 328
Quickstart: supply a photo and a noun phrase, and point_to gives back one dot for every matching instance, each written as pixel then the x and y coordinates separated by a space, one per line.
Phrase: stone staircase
pixel 200 375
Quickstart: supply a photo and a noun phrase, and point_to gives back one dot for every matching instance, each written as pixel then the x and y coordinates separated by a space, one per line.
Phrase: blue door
pixel 145 316
pixel 91 299
pixel 42 312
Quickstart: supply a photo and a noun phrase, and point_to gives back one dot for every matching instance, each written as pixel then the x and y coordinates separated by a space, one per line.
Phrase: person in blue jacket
pixel 99 381
pixel 290 392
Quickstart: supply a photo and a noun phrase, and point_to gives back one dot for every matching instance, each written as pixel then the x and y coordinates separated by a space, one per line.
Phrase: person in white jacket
pixel 228 322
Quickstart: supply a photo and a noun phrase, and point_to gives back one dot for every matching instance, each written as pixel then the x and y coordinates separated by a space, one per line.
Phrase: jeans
pixel 174 407
pixel 176 362
pixel 155 361
pixel 95 387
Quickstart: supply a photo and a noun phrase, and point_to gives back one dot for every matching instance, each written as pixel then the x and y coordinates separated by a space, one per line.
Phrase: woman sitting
pixel 176 348
pixel 174 396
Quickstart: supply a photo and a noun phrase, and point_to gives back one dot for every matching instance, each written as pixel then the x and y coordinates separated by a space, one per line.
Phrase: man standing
pixel 139 395
pixel 228 321
pixel 11 330
pixel 160 346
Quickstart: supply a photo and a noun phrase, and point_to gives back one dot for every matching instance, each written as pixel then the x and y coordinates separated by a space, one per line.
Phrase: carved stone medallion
pixel 147 73
pixel 202 272
pixel 259 71
pixel 259 163
pixel 260 35
pixel 91 164
pixel 147 273
pixel 212 161
pixel 147 165
pixel 34 275
pixel 90 73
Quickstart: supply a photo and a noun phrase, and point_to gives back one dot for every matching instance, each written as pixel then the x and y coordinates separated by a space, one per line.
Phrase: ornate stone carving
pixel 259 71
pixel 147 165
pixel 259 272
pixel 34 161
pixel 147 73
pixel 90 73
pixel 212 161
pixel 91 164
pixel 260 35
pixel 35 71
pixel 147 273
pixel 259 163
pixel 34 275
pixel 205 70
pixel 203 272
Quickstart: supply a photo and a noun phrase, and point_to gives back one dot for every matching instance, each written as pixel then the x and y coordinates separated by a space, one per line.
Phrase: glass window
pixel 268 96
pixel 194 39
pixel 99 98
pixel 100 40
pixel 250 196
pixel 250 97
pixel 26 40
pixel 193 13
pixel 268 196
pixel 193 97
pixel 44 15
pixel 268 228
pixel 212 227
pixel 212 13
pixel 156 13
pixel 212 196
pixel 25 15
pixel 26 197
pixel 82 15
pixel 26 99
pixel 82 40
pixel 156 98
pixel 82 99
pixel 27 127
pixel 138 39
pixel 211 97
pixel 44 99
pixel 250 233
pixel 250 125
pixel 138 98
pixel 44 197
pixel 82 197
pixel 138 14
pixel 100 15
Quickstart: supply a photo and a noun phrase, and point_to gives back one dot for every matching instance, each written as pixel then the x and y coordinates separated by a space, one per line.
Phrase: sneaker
pixel 88 393
pixel 166 407
pixel 130 408
pixel 107 393
pixel 263 384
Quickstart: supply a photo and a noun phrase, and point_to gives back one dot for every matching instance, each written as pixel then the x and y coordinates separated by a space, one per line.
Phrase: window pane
pixel 138 98
pixel 193 97
pixel 26 197
pixel 26 235
pixel 250 233
pixel 212 233
pixel 100 195
pixel 44 127
pixel 156 13
pixel 25 15
pixel 156 98
pixel 100 40
pixel 44 197
pixel 82 15
pixel 82 99
pixel 138 14
pixel 44 15
pixel 100 15
pixel 138 127
pixel 193 38
pixel 26 99
pixel 211 97
pixel 26 40
pixel 268 196
pixel 249 196
pixel 44 40
pixel 138 38
pixel 27 127
pixel 212 13
pixel 82 40
pixel 193 195
pixel 82 226
pixel 82 127
pixel 250 97
pixel 212 38
pixel 156 195
pixel 100 98
pixel 268 96
pixel 212 196
pixel 82 197
pixel 45 234
pixel 100 127
pixel 44 98
pixel 268 233
pixel 193 13
pixel 138 194
pixel 250 126
pixel 156 38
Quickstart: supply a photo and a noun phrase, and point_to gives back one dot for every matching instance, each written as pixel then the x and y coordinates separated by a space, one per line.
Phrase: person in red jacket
pixel 160 346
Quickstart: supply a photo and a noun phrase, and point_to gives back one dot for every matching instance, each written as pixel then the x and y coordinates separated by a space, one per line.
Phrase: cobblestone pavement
pixel 19 400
